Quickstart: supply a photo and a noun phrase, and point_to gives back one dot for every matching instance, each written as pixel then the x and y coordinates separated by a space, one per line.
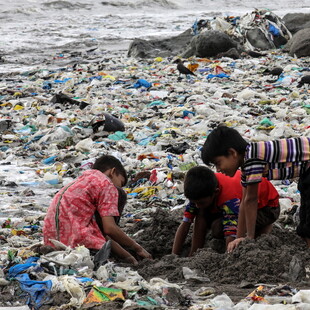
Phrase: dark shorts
pixel 266 216
pixel 303 229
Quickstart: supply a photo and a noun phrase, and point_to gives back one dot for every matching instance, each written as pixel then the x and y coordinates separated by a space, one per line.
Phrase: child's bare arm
pixel 250 209
pixel 199 233
pixel 247 216
pixel 180 237
pixel 122 253
pixel 241 228
pixel 115 233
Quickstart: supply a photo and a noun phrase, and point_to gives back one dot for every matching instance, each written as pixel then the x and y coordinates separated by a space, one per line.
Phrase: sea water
pixel 34 32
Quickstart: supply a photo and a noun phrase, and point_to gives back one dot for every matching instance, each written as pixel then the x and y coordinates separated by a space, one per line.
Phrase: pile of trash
pixel 55 122
pixel 260 29
pixel 66 279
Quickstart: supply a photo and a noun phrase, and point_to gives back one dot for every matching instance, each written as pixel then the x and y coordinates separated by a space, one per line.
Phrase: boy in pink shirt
pixel 71 219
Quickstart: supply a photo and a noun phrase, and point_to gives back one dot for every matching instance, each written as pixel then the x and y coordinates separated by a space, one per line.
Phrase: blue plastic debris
pixel 38 291
pixel 142 82
pixel 49 160
pixel 17 269
pixel 221 75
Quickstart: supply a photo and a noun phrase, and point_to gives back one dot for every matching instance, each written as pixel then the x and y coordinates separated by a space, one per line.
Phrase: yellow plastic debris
pixel 18 107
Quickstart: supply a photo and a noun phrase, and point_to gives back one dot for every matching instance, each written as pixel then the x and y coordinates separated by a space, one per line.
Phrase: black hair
pixel 106 162
pixel 122 199
pixel 219 141
pixel 200 182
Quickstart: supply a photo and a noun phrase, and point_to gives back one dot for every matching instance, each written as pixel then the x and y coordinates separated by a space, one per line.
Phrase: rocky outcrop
pixel 173 46
pixel 296 21
pixel 299 45
pixel 209 43
pixel 260 30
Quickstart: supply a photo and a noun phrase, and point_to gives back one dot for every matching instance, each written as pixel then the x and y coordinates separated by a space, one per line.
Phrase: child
pixel 71 216
pixel 214 203
pixel 277 160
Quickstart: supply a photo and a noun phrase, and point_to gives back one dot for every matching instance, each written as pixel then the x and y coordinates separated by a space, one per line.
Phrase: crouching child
pixel 214 201
pixel 71 216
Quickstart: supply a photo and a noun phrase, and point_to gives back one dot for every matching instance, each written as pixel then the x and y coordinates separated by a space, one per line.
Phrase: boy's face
pixel 229 164
pixel 206 202
pixel 116 178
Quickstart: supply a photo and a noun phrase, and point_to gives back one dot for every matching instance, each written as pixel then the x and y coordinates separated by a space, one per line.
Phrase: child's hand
pixel 131 260
pixel 232 245
pixel 143 253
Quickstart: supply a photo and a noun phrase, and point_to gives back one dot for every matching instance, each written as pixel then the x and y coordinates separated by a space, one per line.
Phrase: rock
pixel 173 46
pixel 299 45
pixel 296 21
pixel 209 43
pixel 232 53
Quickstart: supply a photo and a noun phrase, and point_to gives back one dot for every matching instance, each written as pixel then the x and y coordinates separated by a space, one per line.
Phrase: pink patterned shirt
pixel 70 217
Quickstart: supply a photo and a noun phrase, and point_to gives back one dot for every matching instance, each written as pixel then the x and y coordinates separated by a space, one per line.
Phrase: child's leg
pixel 218 243
pixel 217 228
pixel 303 229
pixel 264 230
pixel 265 218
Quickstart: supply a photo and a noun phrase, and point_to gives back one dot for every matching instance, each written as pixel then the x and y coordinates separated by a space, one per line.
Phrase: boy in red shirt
pixel 214 204
pixel 71 216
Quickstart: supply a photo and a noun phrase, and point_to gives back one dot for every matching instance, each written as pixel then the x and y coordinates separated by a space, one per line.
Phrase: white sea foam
pixel 34 32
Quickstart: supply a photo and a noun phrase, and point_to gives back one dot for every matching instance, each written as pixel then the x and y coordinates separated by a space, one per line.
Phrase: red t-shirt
pixel 231 189
pixel 92 191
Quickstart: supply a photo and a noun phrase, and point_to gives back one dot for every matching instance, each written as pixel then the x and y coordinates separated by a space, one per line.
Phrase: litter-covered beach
pixel 61 114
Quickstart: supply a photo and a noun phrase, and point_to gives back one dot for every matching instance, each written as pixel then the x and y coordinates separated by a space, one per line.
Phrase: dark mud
pixel 280 258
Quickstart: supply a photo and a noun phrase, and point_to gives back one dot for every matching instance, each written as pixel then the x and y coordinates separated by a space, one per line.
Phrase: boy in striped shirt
pixel 276 160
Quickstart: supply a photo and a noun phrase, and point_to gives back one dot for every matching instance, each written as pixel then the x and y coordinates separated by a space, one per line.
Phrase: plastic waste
pixel 103 294
pixel 38 290
pixel 72 286
pixel 296 269
pixel 222 301
pixel 64 99
pixel 303 296
pixel 190 274
pixel 110 123
pixel 142 82
pixel 102 255
pixel 84 146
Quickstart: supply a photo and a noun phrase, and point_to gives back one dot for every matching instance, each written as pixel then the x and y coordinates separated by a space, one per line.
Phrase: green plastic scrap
pixel 187 166
pixel 118 135
pixel 307 107
pixel 150 302
pixel 268 101
pixel 124 110
pixel 266 122
pixel 157 102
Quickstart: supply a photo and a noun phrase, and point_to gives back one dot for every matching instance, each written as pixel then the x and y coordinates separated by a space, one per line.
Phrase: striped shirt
pixel 276 160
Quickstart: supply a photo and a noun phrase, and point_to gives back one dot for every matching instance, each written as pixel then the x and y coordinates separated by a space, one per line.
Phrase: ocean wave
pixel 61 4
pixel 20 10
pixel 142 4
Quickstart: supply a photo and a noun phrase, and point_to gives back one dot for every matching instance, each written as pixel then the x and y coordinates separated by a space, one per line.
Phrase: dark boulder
pixel 231 53
pixel 209 44
pixel 299 45
pixel 296 21
pixel 172 46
